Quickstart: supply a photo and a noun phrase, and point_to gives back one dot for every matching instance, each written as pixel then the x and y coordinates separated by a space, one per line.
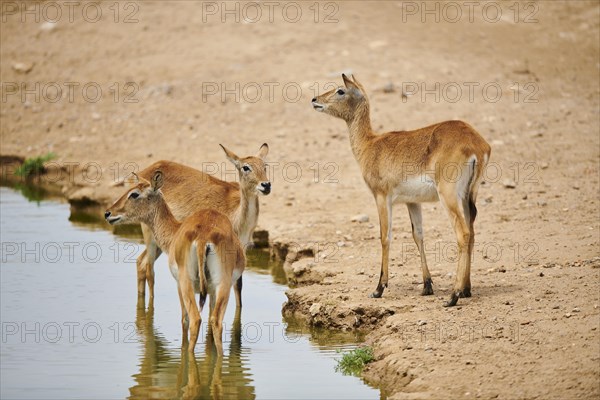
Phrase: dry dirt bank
pixel 509 340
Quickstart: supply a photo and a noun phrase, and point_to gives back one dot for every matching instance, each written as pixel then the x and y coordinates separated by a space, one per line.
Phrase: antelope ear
pixel 348 82
pixel 231 156
pixel 263 151
pixel 358 84
pixel 157 180
pixel 352 86
pixel 132 179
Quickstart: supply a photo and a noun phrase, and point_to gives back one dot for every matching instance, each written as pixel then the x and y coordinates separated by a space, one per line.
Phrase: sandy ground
pixel 177 78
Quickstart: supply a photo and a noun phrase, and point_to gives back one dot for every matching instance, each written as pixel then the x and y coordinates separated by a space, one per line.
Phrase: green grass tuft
pixel 34 165
pixel 354 361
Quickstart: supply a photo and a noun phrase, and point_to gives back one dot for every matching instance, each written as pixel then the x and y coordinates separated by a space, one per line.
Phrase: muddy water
pixel 72 326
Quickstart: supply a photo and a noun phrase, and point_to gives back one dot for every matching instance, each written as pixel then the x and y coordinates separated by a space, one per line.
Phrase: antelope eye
pixel 340 92
pixel 246 168
pixel 134 195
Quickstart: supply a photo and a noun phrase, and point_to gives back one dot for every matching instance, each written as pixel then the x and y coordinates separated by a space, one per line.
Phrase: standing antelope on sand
pixel 204 251
pixel 442 162
pixel 188 190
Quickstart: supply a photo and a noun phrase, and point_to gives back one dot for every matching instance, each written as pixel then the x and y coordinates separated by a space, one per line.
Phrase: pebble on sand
pixel 360 218
pixel 509 184
pixel 22 67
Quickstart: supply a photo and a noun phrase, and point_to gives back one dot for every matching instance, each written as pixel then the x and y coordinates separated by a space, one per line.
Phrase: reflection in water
pixel 265 355
pixel 260 261
pixel 33 189
pixel 322 338
pixel 166 375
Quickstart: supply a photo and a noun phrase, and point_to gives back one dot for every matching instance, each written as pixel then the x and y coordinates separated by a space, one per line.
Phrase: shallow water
pixel 72 326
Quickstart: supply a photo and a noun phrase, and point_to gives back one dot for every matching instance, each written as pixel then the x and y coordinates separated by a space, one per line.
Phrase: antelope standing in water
pixel 188 190
pixel 413 167
pixel 205 254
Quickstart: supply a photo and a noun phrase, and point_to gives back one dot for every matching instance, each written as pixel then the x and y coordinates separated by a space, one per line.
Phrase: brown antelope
pixel 188 190
pixel 442 162
pixel 204 251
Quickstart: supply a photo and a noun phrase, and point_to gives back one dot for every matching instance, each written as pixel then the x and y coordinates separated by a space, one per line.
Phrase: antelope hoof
pixel 427 288
pixel 466 292
pixel 453 300
pixel 378 292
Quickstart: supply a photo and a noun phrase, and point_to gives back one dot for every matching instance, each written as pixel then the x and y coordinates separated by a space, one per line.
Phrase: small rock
pixel 576 310
pixel 389 88
pixel 576 187
pixel 542 203
pixel 300 268
pixel 544 165
pixel 48 26
pixel 489 198
pixel 556 307
pixel 166 89
pixel 360 218
pixel 421 322
pixel 568 315
pixel 524 196
pixel 314 309
pixel 541 274
pixel 361 272
pixel 509 184
pixel 22 68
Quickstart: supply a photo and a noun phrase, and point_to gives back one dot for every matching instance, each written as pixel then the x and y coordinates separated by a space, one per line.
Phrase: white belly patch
pixel 416 190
